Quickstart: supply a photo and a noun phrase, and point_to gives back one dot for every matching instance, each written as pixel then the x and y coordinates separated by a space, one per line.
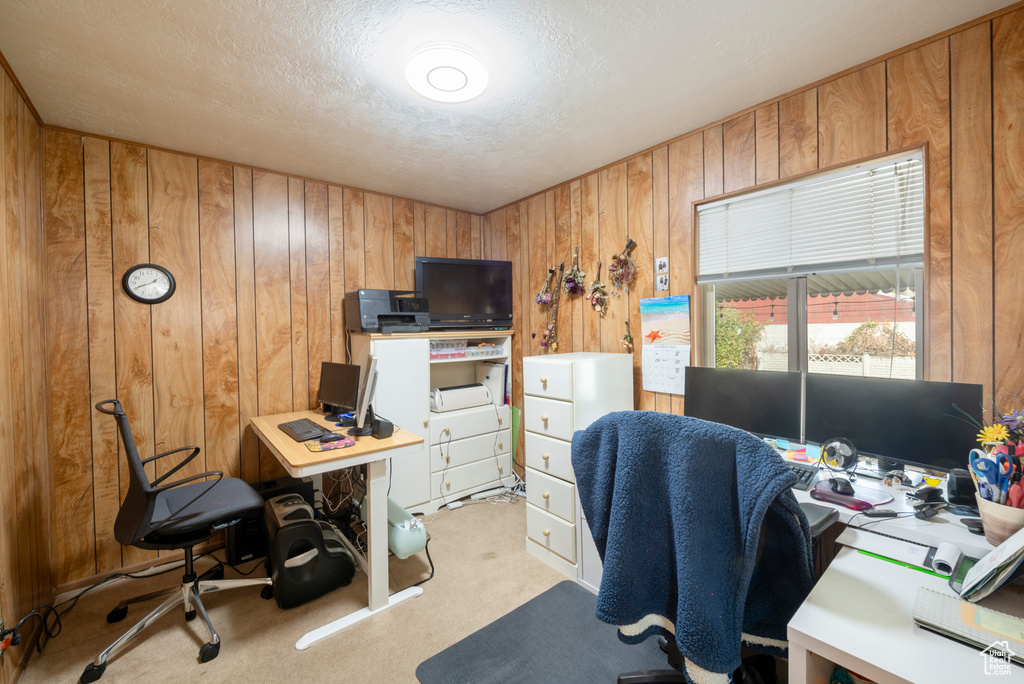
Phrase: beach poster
pixel 665 354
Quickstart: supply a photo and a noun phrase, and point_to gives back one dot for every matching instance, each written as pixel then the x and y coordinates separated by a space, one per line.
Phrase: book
pixel 999 566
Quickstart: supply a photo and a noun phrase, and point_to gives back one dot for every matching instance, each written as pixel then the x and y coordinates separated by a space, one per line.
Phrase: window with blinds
pixel 861 218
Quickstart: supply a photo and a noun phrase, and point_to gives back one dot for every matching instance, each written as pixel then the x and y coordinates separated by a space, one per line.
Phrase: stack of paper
pixel 998 567
pixel 885 545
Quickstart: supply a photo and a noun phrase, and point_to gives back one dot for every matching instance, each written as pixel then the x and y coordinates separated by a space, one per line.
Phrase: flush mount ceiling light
pixel 446 73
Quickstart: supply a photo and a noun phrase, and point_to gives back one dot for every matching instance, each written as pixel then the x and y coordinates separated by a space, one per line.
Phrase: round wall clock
pixel 148 283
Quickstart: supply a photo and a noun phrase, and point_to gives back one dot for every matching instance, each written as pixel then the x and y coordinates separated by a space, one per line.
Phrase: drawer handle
pixel 544 418
pixel 544 380
pixel 500 421
pixel 501 469
pixel 501 445
pixel 545 456
pixel 426 422
pixel 547 533
pixel 546 495
pixel 447 459
pixel 447 431
pixel 448 485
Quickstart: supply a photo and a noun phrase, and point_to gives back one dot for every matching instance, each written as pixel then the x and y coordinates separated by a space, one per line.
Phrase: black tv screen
pixel 466 293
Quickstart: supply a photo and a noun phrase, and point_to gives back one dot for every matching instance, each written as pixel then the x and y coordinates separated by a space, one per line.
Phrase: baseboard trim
pixel 171 557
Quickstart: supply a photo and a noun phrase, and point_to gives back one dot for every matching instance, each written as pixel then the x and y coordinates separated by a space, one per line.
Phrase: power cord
pixel 866 522
pixel 426 549
pixel 52 628
pixel 444 472
pixel 235 567
pixel 494 447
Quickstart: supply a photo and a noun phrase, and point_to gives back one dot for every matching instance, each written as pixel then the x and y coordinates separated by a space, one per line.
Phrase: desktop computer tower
pixel 247 539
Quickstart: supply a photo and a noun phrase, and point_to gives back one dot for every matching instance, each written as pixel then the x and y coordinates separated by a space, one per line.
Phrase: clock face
pixel 148 283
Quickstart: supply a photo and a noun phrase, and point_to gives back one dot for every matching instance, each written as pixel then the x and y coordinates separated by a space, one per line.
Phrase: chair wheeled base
pixel 186 595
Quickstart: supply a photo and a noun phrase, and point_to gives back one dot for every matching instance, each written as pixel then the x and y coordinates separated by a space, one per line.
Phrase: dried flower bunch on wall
pixel 622 271
pixel 551 332
pixel 627 339
pixel 596 295
pixel 544 296
pixel 573 280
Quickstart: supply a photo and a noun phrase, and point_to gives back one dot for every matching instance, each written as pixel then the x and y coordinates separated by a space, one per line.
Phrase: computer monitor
pixel 766 403
pixel 364 410
pixel 931 425
pixel 339 388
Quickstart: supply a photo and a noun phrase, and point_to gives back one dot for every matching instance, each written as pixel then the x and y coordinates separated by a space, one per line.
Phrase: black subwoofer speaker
pixel 247 539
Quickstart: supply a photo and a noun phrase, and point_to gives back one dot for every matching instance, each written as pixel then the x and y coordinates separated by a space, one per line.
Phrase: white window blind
pixel 860 218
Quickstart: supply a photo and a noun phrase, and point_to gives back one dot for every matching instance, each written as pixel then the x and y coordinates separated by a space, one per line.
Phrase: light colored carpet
pixel 482 572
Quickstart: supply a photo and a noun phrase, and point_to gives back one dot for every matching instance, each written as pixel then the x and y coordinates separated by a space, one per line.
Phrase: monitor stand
pixel 334 414
pixel 871 467
pixel 367 428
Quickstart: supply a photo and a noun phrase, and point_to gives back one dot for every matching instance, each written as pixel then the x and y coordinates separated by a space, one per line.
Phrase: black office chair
pixel 175 515
pixel 756 669
pixel 696 525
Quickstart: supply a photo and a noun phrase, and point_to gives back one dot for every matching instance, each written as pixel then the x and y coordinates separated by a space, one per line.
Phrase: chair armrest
pixel 192 478
pixel 819 518
pixel 178 466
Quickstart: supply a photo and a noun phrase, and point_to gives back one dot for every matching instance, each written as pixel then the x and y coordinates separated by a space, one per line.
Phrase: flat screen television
pixel 466 293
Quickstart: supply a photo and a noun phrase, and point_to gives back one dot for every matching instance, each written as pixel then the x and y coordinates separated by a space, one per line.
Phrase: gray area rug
pixel 553 637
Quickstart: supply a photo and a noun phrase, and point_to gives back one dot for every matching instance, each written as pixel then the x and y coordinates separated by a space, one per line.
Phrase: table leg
pixel 376 560
pixel 806 667
pixel 377 533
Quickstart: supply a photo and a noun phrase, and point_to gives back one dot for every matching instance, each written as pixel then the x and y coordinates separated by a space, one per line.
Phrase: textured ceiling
pixel 317 88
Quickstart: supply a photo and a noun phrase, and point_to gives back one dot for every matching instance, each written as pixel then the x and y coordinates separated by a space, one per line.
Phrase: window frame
pixel 796 286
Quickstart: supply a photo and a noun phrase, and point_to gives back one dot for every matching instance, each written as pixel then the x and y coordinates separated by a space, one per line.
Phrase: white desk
pixel 300 462
pixel 860 615
pixel 943 527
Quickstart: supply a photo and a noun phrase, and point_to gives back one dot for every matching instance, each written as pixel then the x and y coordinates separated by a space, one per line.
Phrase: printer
pixel 385 311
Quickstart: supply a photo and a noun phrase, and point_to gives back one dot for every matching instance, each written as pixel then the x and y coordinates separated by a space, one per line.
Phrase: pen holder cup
pixel 1000 521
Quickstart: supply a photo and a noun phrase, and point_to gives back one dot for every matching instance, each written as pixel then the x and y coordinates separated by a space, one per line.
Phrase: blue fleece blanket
pixel 677 507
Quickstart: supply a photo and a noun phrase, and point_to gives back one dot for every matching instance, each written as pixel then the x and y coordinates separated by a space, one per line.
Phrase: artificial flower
pixel 1014 420
pixel 993 433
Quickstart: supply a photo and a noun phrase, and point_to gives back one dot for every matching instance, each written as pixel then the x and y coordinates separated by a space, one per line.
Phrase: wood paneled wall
pixel 25 580
pixel 959 95
pixel 262 262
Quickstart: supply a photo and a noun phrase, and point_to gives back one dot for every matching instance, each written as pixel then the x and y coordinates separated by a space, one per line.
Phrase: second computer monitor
pixel 339 387
pixel 766 403
pixel 364 411
pixel 927 424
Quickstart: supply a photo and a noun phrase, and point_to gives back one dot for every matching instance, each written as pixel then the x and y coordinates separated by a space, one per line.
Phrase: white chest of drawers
pixel 564 393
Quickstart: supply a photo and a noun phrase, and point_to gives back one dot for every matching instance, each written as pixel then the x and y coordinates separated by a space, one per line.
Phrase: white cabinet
pixel 399 384
pixel 464 451
pixel 564 393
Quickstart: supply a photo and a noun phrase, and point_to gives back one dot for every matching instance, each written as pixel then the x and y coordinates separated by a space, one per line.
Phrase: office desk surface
pixel 300 461
pixel 944 527
pixel 860 615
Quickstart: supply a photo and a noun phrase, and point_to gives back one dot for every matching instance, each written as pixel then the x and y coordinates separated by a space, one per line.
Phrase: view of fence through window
pixel 865 333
